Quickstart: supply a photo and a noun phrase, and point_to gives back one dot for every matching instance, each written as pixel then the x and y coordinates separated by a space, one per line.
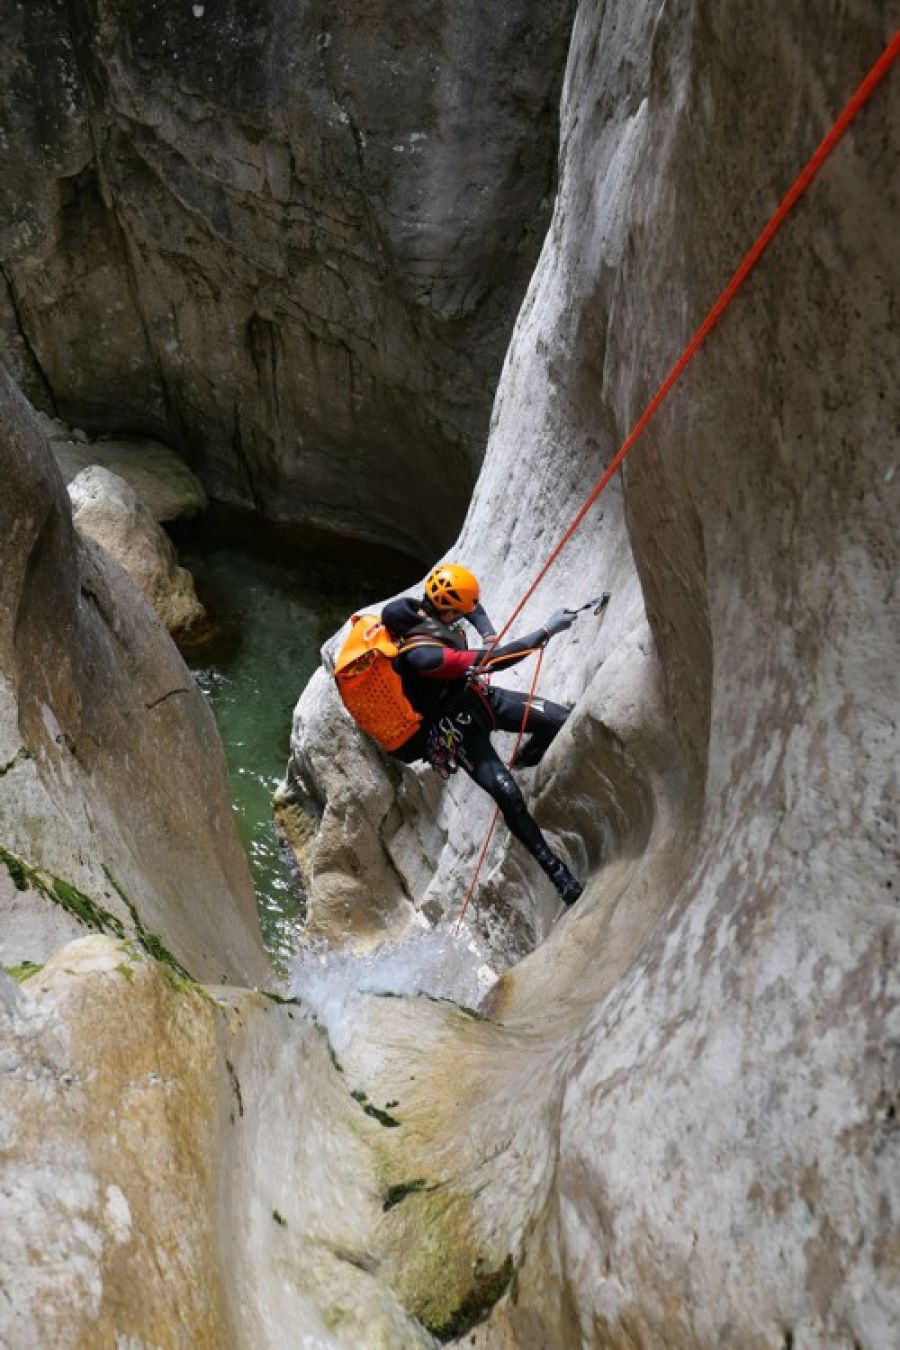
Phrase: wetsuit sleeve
pixel 479 620
pixel 440 663
pixel 443 663
pixel 511 652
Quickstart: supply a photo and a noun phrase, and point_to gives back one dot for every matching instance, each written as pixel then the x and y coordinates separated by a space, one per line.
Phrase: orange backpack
pixel 371 689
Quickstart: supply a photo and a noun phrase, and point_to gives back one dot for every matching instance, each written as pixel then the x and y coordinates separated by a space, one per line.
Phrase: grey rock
pixel 681 1128
pixel 712 1025
pixel 114 775
pixel 154 1186
pixel 160 478
pixel 287 239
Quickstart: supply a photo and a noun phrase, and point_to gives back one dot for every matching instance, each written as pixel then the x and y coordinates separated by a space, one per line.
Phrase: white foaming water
pixel 333 982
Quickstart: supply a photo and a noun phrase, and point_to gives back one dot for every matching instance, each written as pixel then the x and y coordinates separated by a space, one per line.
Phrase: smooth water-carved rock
pixel 108 1179
pixel 683 1130
pixel 106 509
pixel 114 782
pixel 288 240
pixel 339 786
pixel 182 1165
pixel 709 1029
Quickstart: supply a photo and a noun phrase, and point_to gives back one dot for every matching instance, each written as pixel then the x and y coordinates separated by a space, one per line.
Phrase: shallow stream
pixel 275 602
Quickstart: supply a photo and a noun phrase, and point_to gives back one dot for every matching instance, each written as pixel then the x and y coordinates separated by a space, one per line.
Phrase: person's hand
pixel 559 622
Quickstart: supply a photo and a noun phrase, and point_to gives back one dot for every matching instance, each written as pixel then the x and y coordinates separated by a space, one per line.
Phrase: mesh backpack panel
pixel 371 689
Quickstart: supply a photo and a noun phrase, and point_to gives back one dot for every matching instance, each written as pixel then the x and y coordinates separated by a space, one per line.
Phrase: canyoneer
pixel 412 683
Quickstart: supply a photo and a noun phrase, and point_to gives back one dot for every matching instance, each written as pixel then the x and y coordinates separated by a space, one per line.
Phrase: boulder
pixel 108 1181
pixel 108 511
pixel 160 478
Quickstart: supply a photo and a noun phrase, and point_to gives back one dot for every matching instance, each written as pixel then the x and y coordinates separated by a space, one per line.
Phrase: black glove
pixel 559 622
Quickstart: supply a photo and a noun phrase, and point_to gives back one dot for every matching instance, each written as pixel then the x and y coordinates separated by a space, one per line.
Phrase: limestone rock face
pixel 108 1193
pixel 679 1127
pixel 106 509
pixel 289 239
pixel 113 775
pixel 695 1094
pixel 182 1166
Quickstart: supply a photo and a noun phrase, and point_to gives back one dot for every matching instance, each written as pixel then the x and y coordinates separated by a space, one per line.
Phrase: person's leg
pixel 482 763
pixel 545 721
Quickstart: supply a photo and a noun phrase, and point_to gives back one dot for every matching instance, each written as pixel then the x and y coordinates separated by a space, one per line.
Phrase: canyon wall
pixel 697 1073
pixel 114 806
pixel 154 1185
pixel 673 1122
pixel 287 239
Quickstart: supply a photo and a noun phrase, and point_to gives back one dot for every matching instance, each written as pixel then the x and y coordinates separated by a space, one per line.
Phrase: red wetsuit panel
pixel 453 665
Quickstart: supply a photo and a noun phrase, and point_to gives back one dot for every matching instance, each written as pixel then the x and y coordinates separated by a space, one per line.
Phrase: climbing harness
pixel 478 680
pixel 442 747
pixel 836 132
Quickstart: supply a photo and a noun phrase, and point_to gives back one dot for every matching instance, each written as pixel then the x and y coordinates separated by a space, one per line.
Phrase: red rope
pixel 487 838
pixel 799 186
pixel 806 175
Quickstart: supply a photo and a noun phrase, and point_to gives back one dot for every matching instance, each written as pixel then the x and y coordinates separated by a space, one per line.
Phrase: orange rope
pixel 806 175
pixel 854 106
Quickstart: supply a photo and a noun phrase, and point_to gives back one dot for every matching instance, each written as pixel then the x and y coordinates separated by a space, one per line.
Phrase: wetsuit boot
pixel 568 888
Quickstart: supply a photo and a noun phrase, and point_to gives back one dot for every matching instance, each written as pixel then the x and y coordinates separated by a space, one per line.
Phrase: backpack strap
pixel 433 633
pixel 411 640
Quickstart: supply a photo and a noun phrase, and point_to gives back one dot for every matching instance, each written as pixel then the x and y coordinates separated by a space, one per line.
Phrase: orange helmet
pixel 450 586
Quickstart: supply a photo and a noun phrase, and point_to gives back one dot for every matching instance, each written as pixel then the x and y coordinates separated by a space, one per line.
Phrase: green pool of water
pixel 274 606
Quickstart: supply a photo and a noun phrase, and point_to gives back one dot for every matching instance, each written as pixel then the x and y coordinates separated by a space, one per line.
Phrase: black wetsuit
pixel 441 682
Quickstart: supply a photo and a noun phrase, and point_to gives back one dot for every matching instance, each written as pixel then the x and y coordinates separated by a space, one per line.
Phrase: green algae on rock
pixel 82 907
pixel 26 876
pixel 23 971
pixel 395 1194
pixel 487 1288
pixel 439 1270
pixel 383 1117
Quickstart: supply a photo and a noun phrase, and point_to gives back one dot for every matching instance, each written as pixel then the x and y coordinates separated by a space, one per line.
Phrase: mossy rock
pixel 486 1289
pixel 152 943
pixel 95 916
pixel 23 971
pixel 60 892
pixel 395 1194
pixel 383 1117
pixel 83 908
pixel 439 1274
